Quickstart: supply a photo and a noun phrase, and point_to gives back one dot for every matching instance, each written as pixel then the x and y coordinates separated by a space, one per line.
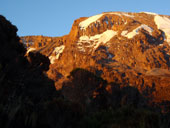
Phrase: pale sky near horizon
pixel 55 17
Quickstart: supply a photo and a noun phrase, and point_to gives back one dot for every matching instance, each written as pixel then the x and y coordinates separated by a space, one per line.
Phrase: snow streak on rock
pixel 95 41
pixel 136 31
pixel 150 13
pixel 56 53
pixel 30 50
pixel 84 24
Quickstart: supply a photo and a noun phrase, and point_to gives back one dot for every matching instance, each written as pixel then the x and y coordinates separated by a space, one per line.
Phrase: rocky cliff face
pixel 127 48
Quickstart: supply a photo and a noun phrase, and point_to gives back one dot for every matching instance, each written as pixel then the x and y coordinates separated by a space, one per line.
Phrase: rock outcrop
pixel 24 89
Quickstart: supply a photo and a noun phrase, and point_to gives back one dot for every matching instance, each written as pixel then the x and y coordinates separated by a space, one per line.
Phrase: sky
pixel 55 17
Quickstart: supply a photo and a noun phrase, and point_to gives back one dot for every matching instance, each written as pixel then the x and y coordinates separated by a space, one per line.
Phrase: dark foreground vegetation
pixel 28 98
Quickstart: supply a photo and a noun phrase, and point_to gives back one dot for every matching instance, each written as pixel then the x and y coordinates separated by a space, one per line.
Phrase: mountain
pixel 111 70
pixel 126 48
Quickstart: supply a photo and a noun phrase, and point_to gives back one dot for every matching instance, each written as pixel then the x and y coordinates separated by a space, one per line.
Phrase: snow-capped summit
pixel 120 46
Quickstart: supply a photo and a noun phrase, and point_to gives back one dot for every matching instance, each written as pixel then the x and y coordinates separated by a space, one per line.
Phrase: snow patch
pixel 163 23
pixel 150 13
pixel 84 38
pixel 161 45
pixel 136 31
pixel 56 53
pixel 30 50
pixel 84 24
pixel 121 13
pixel 124 33
pixel 105 37
pixel 127 15
pixel 114 13
pixel 95 41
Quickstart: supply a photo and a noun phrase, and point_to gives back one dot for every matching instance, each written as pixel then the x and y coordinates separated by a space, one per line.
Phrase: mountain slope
pixel 120 47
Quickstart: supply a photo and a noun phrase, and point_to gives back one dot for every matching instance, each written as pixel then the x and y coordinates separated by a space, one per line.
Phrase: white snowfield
pixel 163 23
pixel 57 51
pixel 136 31
pixel 95 41
pixel 84 24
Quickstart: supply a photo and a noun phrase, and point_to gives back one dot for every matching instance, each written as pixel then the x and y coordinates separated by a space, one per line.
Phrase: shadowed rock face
pixel 24 89
pixel 121 47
